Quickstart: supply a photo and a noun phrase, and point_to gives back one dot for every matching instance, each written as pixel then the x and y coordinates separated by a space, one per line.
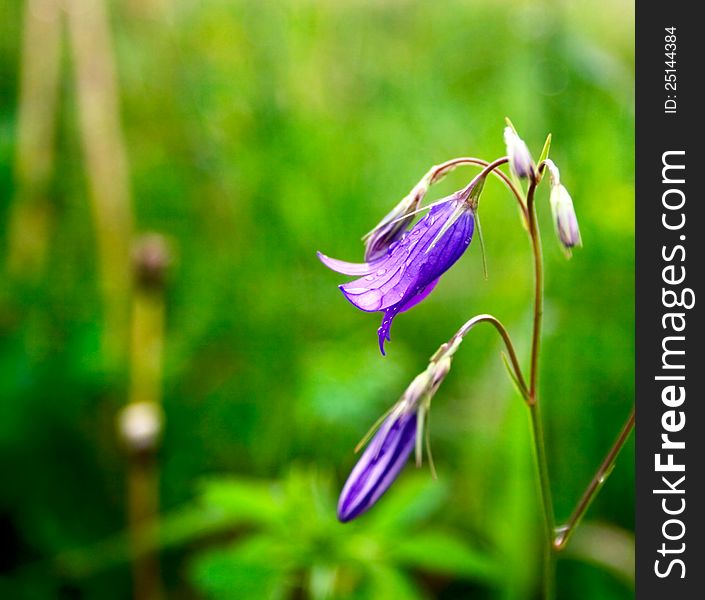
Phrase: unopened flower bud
pixel 564 219
pixel 394 224
pixel 390 447
pixel 520 160
pixel 379 465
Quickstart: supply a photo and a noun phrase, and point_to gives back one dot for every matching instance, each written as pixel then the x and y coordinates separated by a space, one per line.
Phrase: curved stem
pixel 440 171
pixel 563 533
pixel 504 334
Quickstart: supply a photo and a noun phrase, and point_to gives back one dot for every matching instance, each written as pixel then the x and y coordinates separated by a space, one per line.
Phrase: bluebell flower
pixel 409 269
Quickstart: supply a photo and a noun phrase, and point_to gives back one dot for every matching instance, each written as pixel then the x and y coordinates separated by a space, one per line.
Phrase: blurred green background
pixel 250 135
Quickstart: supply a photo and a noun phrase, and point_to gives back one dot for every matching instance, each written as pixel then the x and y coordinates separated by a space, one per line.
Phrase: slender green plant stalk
pixel 534 410
pixel 564 532
pixel 31 211
pixel 141 420
pixel 106 165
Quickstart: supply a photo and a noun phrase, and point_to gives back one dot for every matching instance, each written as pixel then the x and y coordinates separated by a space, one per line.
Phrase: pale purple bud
pixel 394 224
pixel 564 219
pixel 520 160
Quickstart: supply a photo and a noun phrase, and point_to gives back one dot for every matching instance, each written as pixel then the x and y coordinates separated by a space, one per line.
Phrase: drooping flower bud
pixel 379 465
pixel 520 160
pixel 565 220
pixel 394 224
pixel 397 436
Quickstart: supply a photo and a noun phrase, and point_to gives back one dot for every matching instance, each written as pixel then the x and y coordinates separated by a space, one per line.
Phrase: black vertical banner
pixel 670 364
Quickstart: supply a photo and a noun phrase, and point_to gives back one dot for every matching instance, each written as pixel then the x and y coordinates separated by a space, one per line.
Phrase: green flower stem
pixel 537 252
pixel 533 401
pixel 563 533
pixel 546 496
pixel 440 171
pixel 504 334
pixel 141 421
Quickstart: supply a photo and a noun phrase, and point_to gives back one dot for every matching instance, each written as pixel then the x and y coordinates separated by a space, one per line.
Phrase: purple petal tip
pixel 379 466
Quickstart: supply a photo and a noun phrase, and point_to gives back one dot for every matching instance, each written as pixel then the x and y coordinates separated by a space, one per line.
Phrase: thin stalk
pixel 141 420
pixel 489 168
pixel 31 214
pixel 533 401
pixel 440 171
pixel 504 334
pixel 563 533
pixel 106 166
pixel 537 253
pixel 546 496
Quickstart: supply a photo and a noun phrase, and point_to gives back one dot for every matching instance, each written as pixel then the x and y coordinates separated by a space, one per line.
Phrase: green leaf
pixel 514 512
pixel 322 580
pixel 256 568
pixel 441 552
pixel 546 148
pixel 410 500
pixel 388 582
pixel 512 375
pixel 243 501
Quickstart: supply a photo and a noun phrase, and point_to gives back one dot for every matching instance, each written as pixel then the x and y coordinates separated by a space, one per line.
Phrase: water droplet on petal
pixel 381 271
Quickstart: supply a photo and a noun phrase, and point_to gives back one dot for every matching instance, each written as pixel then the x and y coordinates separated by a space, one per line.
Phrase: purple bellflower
pixel 389 449
pixel 407 271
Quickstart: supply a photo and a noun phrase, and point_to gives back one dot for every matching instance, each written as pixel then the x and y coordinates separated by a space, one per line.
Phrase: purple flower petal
pixel 378 466
pixel 412 265
pixel 393 311
pixel 347 268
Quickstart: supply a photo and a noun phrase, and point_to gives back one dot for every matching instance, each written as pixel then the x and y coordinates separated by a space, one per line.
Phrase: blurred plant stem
pixel 106 164
pixel 564 532
pixel 141 421
pixel 31 212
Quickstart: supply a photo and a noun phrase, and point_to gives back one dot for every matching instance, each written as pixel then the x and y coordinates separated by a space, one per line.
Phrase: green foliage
pixel 258 133
pixel 287 539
